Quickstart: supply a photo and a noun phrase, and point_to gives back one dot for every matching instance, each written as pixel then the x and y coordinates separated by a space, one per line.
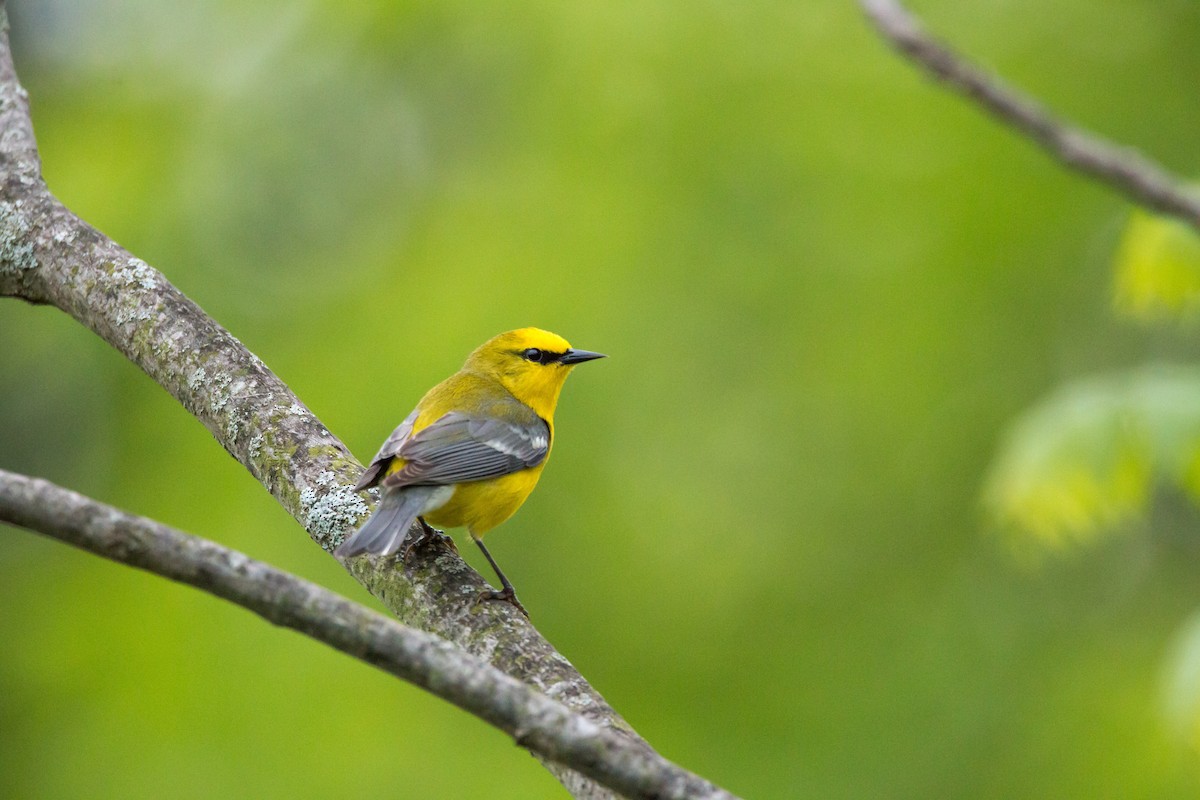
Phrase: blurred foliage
pixel 1095 455
pixel 1181 686
pixel 1158 269
pixel 825 286
pixel 1089 457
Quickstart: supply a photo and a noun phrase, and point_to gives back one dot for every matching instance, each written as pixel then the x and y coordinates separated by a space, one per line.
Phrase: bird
pixel 472 450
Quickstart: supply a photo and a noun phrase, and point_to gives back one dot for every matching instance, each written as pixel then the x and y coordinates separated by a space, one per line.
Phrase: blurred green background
pixel 827 289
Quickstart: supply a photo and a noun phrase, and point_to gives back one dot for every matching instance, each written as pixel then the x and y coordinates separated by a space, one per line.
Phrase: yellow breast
pixel 480 506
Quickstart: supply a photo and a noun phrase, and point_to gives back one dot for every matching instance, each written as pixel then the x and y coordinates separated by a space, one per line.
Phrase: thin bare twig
pixel 1123 168
pixel 533 720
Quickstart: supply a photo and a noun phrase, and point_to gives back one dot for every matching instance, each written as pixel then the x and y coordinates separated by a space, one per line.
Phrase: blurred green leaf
pixel 1086 459
pixel 1181 683
pixel 1157 269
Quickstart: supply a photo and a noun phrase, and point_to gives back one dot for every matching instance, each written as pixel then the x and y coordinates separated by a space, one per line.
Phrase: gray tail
pixel 387 529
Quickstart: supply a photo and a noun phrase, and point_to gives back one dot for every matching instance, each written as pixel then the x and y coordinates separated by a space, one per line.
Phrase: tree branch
pixel 537 723
pixel 50 256
pixel 1123 168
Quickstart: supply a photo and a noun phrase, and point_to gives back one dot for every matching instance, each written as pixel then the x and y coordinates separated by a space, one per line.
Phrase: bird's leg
pixel 429 535
pixel 507 594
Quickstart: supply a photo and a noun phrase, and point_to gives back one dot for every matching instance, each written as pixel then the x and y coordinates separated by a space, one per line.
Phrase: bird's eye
pixel 534 355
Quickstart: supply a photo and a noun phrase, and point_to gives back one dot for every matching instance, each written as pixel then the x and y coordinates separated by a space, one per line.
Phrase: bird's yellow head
pixel 531 364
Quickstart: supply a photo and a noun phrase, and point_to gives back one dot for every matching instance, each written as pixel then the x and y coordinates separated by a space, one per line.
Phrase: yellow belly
pixel 480 506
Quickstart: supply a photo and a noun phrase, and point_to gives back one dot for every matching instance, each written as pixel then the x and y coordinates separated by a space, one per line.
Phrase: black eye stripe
pixel 539 356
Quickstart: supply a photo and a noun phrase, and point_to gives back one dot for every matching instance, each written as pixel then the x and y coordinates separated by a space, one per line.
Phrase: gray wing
pixel 387 451
pixel 459 447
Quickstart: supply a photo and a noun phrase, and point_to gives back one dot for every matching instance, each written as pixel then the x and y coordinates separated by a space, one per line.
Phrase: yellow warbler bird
pixel 473 448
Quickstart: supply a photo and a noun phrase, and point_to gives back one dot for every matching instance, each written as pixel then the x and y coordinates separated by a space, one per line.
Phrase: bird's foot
pixel 427 537
pixel 507 595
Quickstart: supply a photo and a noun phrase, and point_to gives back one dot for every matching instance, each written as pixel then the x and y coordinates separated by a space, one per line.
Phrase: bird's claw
pixel 507 595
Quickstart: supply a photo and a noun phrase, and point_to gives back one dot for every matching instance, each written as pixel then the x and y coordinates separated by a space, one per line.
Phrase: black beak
pixel 574 356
